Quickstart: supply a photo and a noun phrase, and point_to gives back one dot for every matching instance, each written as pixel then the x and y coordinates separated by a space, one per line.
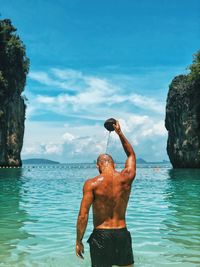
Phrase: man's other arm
pixel 83 217
pixel 130 165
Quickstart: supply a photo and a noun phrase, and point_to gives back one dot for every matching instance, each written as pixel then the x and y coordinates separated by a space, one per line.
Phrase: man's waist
pixel 110 229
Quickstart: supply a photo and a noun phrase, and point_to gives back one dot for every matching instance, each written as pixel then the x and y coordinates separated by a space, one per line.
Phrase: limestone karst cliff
pixel 14 67
pixel 183 118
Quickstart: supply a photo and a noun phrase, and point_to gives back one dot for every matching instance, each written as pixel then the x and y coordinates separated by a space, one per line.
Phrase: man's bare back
pixel 111 192
pixel 108 194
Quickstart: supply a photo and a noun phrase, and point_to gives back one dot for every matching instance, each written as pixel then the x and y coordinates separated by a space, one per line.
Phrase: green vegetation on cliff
pixel 14 65
pixel 194 75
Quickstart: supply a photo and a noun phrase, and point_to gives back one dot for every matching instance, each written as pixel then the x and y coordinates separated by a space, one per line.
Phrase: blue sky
pixel 91 60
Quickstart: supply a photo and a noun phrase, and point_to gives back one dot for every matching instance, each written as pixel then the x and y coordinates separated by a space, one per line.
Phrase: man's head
pixel 105 161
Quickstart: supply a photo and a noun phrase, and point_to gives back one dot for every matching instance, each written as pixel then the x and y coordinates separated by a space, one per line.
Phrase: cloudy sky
pixel 92 60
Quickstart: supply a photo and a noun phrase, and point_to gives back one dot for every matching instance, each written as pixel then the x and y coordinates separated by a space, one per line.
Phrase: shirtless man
pixel 108 193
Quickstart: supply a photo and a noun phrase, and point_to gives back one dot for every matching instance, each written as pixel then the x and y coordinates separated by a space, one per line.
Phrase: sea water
pixel 39 207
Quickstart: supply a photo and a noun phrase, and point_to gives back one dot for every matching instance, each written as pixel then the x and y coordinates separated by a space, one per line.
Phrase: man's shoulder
pixel 91 181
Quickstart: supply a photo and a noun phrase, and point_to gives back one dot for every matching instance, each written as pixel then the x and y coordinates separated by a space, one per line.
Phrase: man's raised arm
pixel 130 165
pixel 83 217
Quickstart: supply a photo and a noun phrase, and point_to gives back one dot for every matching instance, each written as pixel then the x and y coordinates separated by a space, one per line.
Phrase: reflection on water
pixel 182 224
pixel 13 217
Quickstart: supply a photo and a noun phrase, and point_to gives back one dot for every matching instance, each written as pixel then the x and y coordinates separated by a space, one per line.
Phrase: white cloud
pixel 46 99
pixel 42 149
pixel 95 96
pixel 147 103
pixel 29 150
pixel 67 74
pixel 45 79
pixel 96 99
pixel 41 77
pixel 52 148
pixel 154 129
pixel 68 137
pixel 90 91
pixel 133 121
pixel 85 143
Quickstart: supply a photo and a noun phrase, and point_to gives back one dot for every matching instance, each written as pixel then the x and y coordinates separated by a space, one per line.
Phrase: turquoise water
pixel 39 207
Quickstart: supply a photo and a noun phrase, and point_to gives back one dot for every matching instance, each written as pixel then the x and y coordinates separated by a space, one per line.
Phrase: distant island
pixel 141 161
pixel 39 161
pixel 48 161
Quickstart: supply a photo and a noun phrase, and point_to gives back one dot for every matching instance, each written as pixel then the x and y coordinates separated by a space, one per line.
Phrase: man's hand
pixel 79 249
pixel 117 127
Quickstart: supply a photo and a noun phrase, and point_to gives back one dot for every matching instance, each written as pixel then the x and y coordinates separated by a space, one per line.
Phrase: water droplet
pixel 108 140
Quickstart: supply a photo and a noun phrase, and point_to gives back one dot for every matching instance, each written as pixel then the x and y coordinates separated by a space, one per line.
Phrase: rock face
pixel 183 118
pixel 14 67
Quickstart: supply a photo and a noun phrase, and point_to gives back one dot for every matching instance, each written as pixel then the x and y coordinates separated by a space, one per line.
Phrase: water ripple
pixel 39 208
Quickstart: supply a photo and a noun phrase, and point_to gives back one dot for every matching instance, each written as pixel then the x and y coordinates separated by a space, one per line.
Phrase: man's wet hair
pixel 107 155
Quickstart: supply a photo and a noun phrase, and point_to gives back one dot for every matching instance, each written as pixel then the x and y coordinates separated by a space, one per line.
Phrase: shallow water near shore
pixel 39 207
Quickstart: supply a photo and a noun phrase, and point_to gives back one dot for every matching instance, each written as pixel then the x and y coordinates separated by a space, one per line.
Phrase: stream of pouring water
pixel 108 140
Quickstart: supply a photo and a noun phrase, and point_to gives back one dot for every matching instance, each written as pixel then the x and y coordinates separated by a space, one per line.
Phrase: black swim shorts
pixel 110 247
